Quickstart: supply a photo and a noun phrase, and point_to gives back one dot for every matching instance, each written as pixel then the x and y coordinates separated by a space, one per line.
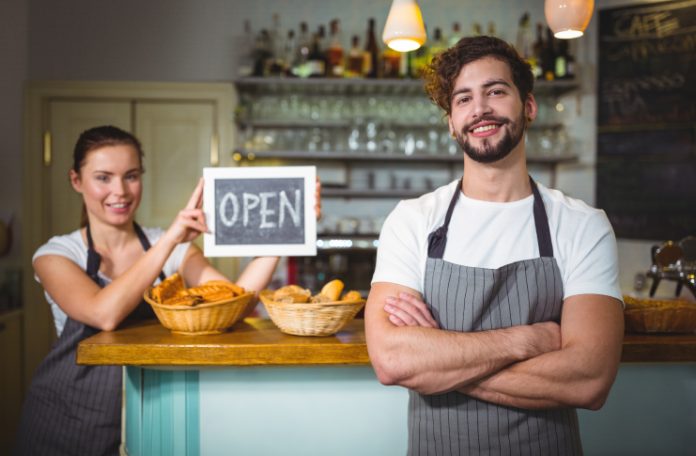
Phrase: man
pixel 495 300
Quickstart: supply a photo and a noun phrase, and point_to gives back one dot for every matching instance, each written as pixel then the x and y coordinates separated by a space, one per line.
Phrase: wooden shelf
pixel 368 156
pixel 353 193
pixel 361 86
pixel 309 124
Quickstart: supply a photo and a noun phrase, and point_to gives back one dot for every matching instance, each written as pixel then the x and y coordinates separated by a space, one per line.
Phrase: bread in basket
pixel 295 311
pixel 210 308
pixel 647 315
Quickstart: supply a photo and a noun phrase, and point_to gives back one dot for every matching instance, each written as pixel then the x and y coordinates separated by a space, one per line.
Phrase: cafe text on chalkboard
pixel 646 112
pixel 254 211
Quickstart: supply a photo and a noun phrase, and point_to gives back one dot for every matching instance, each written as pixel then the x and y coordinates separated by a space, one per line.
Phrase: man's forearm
pixel 555 379
pixel 433 361
pixel 578 375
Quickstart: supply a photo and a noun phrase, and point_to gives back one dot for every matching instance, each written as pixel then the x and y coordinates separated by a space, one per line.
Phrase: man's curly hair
pixel 445 67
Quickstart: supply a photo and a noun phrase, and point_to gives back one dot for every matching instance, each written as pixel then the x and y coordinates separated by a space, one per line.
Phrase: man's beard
pixel 489 153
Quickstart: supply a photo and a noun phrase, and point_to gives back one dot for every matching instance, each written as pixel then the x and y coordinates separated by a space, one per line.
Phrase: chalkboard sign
pixel 646 146
pixel 260 211
pixel 647 64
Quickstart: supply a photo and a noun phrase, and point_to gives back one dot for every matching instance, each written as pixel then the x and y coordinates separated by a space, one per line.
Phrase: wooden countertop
pixel 257 342
pixel 253 342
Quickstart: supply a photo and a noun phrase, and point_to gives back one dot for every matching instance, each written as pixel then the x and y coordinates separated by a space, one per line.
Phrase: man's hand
pixel 409 310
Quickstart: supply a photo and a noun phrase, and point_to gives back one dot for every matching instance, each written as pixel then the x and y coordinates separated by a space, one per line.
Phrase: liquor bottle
pixel 570 63
pixel 275 65
pixel 523 41
pixel 321 34
pixel 245 42
pixel 419 60
pixel 438 45
pixel 316 62
pixel 356 59
pixel 538 52
pixel 549 56
pixel 334 53
pixel 476 29
pixel 289 52
pixel 304 45
pixel 262 53
pixel 491 29
pixel 456 34
pixel 561 61
pixel 391 63
pixel 371 51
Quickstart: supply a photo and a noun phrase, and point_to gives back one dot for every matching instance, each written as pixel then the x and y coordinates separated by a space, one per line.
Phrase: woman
pixel 94 279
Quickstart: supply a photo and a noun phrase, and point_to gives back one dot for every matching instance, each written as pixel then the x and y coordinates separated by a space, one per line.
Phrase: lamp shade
pixel 568 18
pixel 404 30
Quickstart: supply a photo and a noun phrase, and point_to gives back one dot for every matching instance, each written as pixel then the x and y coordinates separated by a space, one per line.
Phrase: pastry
pixel 292 294
pixel 168 288
pixel 332 290
pixel 352 295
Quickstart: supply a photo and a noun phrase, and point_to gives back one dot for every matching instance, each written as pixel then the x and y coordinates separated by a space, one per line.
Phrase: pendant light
pixel 568 19
pixel 404 30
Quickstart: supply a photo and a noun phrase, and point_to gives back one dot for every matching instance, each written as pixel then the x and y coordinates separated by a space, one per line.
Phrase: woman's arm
pixel 104 308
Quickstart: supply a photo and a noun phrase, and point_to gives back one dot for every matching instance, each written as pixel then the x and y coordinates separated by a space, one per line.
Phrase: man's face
pixel 487 118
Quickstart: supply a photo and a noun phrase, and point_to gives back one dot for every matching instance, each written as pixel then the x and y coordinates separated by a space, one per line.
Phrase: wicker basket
pixel 310 319
pixel 645 315
pixel 207 318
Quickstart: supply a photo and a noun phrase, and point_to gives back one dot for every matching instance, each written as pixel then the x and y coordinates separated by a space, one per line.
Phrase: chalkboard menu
pixel 646 149
pixel 260 211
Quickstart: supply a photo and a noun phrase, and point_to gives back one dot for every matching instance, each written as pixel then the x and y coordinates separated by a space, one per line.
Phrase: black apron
pixel 72 409
pixel 469 299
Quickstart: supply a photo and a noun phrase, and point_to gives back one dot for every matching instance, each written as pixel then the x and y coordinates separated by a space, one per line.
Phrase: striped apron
pixel 468 299
pixel 72 409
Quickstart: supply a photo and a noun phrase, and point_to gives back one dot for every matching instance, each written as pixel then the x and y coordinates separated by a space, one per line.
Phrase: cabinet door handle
pixel 214 150
pixel 47 152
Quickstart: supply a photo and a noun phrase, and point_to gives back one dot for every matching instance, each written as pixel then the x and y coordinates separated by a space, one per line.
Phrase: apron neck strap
pixel 94 259
pixel 437 240
pixel 541 223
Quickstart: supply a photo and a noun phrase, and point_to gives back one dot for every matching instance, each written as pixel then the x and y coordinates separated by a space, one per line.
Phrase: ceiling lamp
pixel 568 19
pixel 404 30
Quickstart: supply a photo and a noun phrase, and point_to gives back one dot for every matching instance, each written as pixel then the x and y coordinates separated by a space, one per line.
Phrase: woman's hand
pixel 190 221
pixel 409 310
pixel 317 199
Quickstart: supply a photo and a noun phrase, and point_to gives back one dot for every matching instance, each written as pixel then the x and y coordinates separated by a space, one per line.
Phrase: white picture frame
pixel 246 222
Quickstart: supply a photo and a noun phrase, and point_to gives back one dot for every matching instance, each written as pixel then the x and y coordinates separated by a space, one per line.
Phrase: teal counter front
pixel 256 391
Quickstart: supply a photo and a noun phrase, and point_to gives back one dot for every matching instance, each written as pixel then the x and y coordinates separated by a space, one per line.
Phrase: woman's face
pixel 110 182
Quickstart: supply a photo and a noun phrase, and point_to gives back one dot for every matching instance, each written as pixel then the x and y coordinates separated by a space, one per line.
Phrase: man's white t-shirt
pixel 73 247
pixel 488 234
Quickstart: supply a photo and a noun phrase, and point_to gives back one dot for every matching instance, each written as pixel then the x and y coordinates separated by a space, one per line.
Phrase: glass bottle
pixel 371 51
pixel 334 54
pixel 523 41
pixel 538 49
pixel 439 43
pixel 456 34
pixel 245 43
pixel 316 60
pixel 304 45
pixel 549 56
pixel 356 59
pixel 391 63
